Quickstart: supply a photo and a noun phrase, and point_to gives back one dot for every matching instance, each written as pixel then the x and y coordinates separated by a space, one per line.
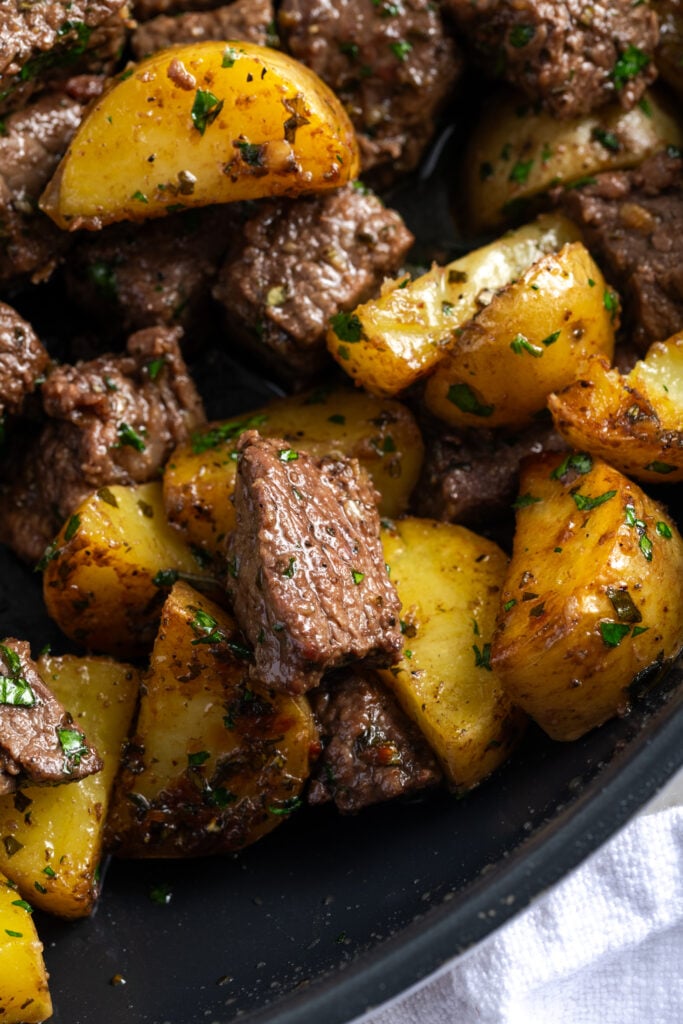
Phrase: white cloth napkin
pixel 605 946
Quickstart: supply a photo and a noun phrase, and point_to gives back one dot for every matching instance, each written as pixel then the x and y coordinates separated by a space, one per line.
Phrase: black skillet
pixel 331 915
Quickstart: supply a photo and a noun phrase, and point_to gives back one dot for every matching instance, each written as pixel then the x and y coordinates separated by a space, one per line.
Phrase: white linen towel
pixel 605 946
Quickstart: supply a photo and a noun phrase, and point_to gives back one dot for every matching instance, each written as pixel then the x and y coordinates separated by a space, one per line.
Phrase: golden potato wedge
pixel 534 337
pixel 593 594
pixel 107 574
pixel 634 422
pixel 52 836
pixel 391 342
pixel 210 122
pixel 449 580
pixel 24 994
pixel 200 476
pixel 518 151
pixel 216 761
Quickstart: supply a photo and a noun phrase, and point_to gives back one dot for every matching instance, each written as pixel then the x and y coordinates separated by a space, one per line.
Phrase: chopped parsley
pixel 462 396
pixel 401 48
pixel 520 171
pixel 128 436
pixel 629 65
pixel 203 441
pixel 585 503
pixel 520 344
pixel 347 327
pixel 580 462
pixel 71 742
pixel 205 109
pixel 287 455
pixel 613 633
pixel 608 139
pixel 482 658
pixel 357 577
pixel 551 339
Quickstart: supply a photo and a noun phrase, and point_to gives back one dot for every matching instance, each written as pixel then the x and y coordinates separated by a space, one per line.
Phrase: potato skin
pixel 518 152
pixel 24 994
pixel 99 579
pixel 531 339
pixel 391 342
pixel 57 867
pixel 592 597
pixel 449 580
pixel 634 422
pixel 216 761
pixel 209 122
pixel 383 435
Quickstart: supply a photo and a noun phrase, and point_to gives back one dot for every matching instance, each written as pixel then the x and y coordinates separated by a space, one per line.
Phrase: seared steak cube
pixel 632 222
pixel 308 577
pixel 38 739
pixel 22 360
pixel 569 55
pixel 371 750
pixel 250 20
pixel 302 261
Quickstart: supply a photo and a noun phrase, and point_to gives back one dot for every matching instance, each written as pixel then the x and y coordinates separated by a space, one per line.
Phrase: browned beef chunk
pixel 633 224
pixel 308 578
pixel 31 146
pixel 472 478
pixel 114 420
pixel 130 276
pixel 44 42
pixel 23 359
pixel 251 20
pixel 570 55
pixel 371 749
pixel 392 65
pixel 143 10
pixel 39 742
pixel 302 261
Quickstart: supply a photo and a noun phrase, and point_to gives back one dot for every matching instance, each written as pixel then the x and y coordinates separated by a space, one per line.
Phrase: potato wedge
pixel 593 593
pixel 200 476
pixel 24 994
pixel 108 572
pixel 210 122
pixel 634 422
pixel 216 762
pixel 518 152
pixel 449 581
pixel 52 836
pixel 534 337
pixel 391 342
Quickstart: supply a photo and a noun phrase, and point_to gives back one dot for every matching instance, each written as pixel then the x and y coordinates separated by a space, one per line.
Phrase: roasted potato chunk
pixel 391 342
pixel 108 572
pixel 592 597
pixel 634 422
pixel 24 995
pixel 533 337
pixel 518 152
pixel 216 761
pixel 200 476
pixel 210 122
pixel 449 580
pixel 53 835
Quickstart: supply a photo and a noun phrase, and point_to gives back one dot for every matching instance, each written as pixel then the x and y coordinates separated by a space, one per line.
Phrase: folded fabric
pixel 605 946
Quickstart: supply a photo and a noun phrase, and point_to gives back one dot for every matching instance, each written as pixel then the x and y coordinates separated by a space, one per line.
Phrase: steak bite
pixel 308 578
pixel 632 222
pixel 31 146
pixel 393 65
pixel 39 742
pixel 571 56
pixel 371 750
pixel 43 42
pixel 113 420
pixel 299 263
pixel 250 20
pixel 23 360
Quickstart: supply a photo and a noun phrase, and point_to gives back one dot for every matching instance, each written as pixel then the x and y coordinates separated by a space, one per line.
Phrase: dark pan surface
pixel 330 915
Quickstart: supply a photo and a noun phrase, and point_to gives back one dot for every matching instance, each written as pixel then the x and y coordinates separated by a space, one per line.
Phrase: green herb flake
pixel 525 500
pixel 154 367
pixel 291 568
pixel 71 742
pixel 205 109
pixel 72 527
pixel 521 35
pixel 645 545
pixel 613 633
pixel 203 441
pixel 579 462
pixel 520 344
pixel 285 806
pixel 610 302
pixel 40 888
pixel 161 894
pixel 49 872
pixel 14 935
pixel 139 197
pixel 660 467
pixel 198 758
pixel 607 139
pixel 287 455
pixel 551 339
pixel 510 604
pixel 663 530
pixel 400 49
pixel 637 630
pixel 337 418
pixel 482 658
pixel 520 171
pixel 347 327
pixel 24 905
pixel 585 503
pixel 230 55
pixel 128 436
pixel 357 577
pixel 462 396
pixel 629 65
